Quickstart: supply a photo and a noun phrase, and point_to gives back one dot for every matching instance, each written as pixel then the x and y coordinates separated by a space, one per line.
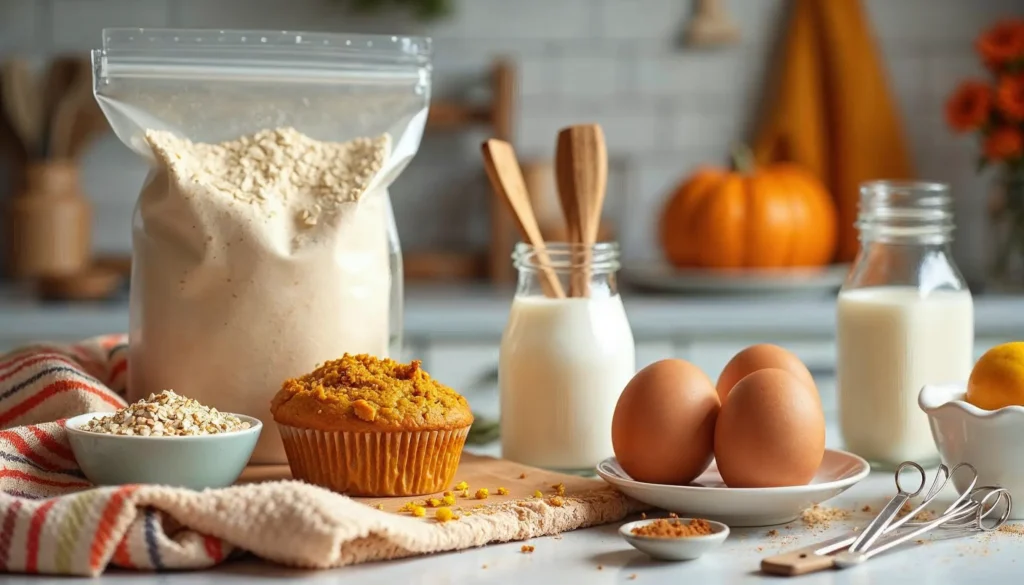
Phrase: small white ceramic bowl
pixel 990 440
pixel 675 549
pixel 197 462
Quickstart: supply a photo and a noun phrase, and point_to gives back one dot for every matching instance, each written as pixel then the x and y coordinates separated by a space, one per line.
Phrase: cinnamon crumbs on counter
pixel 525 549
pixel 1015 529
pixel 818 515
pixel 674 528
pixel 922 516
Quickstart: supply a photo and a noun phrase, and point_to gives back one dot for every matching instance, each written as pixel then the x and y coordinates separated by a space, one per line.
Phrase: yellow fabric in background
pixel 831 110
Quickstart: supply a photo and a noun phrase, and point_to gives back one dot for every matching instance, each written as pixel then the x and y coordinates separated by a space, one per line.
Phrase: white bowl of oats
pixel 164 439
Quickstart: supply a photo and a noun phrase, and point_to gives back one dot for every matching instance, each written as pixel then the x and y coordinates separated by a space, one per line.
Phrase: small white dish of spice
pixel 164 439
pixel 675 539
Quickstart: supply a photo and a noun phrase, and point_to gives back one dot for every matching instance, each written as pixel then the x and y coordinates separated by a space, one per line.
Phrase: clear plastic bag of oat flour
pixel 263 239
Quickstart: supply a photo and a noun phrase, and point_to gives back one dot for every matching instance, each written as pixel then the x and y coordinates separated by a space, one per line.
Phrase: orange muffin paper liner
pixel 401 463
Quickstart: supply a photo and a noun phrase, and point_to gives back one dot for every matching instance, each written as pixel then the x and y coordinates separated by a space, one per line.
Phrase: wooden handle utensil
pixel 507 179
pixel 582 170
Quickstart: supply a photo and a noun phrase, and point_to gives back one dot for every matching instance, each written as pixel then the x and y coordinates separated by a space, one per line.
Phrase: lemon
pixel 997 380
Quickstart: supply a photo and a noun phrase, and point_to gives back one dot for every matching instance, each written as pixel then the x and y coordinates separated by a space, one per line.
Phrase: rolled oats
pixel 166 414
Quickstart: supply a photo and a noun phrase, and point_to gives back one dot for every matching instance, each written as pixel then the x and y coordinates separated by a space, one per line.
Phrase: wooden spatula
pixel 582 169
pixel 507 179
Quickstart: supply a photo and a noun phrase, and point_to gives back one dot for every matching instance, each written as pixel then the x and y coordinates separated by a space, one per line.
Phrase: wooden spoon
pixel 23 104
pixel 69 112
pixel 507 179
pixel 582 167
pixel 59 78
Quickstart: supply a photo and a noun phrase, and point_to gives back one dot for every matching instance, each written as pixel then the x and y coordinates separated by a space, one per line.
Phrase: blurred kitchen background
pixel 666 106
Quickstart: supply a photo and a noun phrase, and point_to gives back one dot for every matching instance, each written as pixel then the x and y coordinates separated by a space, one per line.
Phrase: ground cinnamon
pixel 674 528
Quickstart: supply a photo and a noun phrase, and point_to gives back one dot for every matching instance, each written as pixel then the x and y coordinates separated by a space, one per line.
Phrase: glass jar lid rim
pixel 891 185
pixel 566 246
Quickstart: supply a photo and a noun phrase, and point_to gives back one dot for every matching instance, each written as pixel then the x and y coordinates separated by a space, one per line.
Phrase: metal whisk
pixel 976 510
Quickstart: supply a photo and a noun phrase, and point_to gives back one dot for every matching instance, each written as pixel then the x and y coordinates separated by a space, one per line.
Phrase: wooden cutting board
pixel 479 472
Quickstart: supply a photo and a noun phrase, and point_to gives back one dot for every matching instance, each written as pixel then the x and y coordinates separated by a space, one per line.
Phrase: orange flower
pixel 1004 143
pixel 1002 44
pixel 969 106
pixel 1010 97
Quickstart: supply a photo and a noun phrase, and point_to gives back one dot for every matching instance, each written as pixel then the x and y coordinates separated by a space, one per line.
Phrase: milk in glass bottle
pixel 904 319
pixel 564 360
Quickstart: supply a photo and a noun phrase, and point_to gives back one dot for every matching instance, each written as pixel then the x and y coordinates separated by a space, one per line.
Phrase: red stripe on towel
pixel 35 528
pixel 7 533
pixel 56 388
pixel 33 479
pixel 106 524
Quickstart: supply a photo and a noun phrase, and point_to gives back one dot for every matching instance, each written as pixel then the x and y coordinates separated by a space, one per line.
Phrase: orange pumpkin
pixel 772 217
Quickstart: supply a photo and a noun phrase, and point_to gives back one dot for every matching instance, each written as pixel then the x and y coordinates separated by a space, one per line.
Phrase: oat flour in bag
pixel 254 260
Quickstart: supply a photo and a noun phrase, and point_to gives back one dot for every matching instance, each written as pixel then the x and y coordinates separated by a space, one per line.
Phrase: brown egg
pixel 770 432
pixel 663 430
pixel 760 356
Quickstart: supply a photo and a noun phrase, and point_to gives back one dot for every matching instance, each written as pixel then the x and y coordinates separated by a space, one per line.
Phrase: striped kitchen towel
pixel 52 520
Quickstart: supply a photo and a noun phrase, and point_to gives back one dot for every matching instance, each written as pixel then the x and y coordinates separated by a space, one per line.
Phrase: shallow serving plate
pixel 662 276
pixel 708 497
pixel 203 461
pixel 675 549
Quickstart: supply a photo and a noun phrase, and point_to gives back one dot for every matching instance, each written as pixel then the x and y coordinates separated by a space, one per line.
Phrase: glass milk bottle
pixel 564 361
pixel 904 319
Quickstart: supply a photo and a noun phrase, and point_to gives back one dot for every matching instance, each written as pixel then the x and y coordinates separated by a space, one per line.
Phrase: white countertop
pixel 569 558
pixel 457 313
pixel 564 559
pixel 480 311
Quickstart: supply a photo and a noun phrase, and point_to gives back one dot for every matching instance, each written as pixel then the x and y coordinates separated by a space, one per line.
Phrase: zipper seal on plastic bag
pixel 260 56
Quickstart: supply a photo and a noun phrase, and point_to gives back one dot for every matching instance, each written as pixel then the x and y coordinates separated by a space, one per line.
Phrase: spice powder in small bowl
pixel 675 539
pixel 673 528
pixel 165 439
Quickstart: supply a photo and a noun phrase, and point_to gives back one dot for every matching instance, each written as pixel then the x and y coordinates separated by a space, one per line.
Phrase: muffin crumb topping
pixel 373 390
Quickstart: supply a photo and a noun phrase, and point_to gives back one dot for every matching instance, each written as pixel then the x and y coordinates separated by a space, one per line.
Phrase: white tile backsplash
pixel 665 108
pixel 18 23
pixel 642 19
pixel 77 23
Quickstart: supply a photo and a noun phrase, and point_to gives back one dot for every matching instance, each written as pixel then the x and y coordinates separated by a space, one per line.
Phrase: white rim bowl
pixel 675 549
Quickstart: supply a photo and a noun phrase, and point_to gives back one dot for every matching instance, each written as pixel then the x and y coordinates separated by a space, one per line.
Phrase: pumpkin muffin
pixel 372 427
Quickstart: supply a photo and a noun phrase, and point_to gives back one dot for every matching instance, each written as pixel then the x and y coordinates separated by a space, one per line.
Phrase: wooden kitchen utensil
pixel 69 112
pixel 507 179
pixel 59 78
pixel 582 170
pixel 23 104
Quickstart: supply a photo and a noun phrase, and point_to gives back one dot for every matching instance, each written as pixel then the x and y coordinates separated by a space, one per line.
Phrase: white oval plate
pixel 709 498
